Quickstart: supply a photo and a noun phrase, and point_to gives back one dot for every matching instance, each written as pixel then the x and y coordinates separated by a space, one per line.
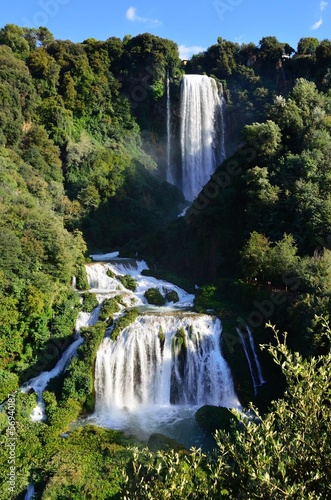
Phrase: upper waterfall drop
pixel 202 132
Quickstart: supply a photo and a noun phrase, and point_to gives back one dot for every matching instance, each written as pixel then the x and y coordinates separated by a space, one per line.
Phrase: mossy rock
pixel 172 296
pixel 179 340
pixel 129 317
pixel 161 336
pixel 154 297
pixel 110 273
pixel 159 442
pixel 212 418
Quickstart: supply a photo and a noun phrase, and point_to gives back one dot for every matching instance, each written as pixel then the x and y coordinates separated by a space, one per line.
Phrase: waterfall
pixel 169 167
pixel 160 369
pixel 252 358
pixel 202 132
pixel 163 366
pixel 152 364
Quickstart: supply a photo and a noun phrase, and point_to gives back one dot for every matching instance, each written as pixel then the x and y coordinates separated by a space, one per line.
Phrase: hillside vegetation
pixel 82 168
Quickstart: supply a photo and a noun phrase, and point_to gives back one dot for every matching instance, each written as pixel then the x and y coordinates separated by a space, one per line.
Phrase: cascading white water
pixel 143 368
pixel 202 132
pixel 163 366
pixel 252 358
pixel 160 368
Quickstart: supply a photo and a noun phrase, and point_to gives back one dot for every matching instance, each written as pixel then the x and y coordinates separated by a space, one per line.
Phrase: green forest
pixel 82 170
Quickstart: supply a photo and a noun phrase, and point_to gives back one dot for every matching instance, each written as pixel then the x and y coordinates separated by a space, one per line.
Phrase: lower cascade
pixel 162 360
pixel 161 367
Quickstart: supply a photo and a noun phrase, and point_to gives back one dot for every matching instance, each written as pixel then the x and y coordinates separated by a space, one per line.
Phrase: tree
pixel 323 53
pixel 307 46
pixel 45 72
pixel 270 52
pixel 254 256
pixel 282 258
pixel 13 36
pixel 265 136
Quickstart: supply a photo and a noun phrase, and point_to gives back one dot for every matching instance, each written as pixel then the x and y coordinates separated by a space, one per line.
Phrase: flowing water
pixel 252 358
pixel 202 132
pixel 162 367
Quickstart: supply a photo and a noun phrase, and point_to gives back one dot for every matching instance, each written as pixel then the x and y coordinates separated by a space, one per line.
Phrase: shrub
pixel 172 296
pixel 154 297
pixel 109 308
pixel 125 321
pixel 128 282
pixel 90 302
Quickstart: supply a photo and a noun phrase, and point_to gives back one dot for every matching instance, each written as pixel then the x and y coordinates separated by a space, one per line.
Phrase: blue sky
pixel 193 25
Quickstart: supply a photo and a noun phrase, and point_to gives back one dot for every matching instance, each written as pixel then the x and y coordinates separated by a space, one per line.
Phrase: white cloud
pixel 131 15
pixel 318 24
pixel 323 5
pixel 187 52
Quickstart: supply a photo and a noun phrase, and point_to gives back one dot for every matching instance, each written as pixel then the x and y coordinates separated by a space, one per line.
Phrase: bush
pixel 128 282
pixel 109 308
pixel 110 273
pixel 172 296
pixel 124 321
pixel 90 302
pixel 154 297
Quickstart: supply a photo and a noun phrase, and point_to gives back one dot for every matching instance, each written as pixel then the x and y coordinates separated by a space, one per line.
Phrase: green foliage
pixel 110 273
pixel 129 317
pixel 79 381
pixel 207 299
pixel 172 296
pixel 250 461
pixel 110 307
pixel 161 337
pixel 261 260
pixel 90 302
pixel 13 36
pixel 266 136
pixel 89 457
pixel 307 46
pixel 128 282
pixel 155 297
pixel 179 340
